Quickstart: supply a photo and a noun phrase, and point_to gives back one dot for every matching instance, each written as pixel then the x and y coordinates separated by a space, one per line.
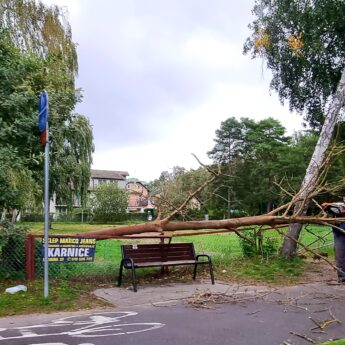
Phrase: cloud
pixel 160 76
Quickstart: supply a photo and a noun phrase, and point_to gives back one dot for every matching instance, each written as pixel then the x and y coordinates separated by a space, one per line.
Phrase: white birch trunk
pixel 309 182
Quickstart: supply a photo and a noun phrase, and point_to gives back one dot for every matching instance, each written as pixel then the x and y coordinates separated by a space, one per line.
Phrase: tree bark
pixel 314 168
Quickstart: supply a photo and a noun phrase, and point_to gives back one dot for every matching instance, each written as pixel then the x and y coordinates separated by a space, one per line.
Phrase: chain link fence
pixel 224 249
pixel 12 250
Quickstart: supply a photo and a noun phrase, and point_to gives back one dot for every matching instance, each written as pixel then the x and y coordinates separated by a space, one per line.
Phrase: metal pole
pixel 46 211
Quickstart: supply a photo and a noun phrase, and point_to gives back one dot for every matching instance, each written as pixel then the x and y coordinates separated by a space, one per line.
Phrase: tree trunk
pixel 235 224
pixel 310 180
pixel 3 214
pixel 14 215
pixel 229 203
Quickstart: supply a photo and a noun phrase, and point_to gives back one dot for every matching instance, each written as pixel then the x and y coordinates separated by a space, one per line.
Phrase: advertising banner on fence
pixel 71 249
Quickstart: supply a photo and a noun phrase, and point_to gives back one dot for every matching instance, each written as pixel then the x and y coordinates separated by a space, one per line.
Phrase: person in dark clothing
pixel 337 209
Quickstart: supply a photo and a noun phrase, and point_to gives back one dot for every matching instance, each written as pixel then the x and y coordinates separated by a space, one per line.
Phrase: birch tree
pixel 312 173
pixel 303 43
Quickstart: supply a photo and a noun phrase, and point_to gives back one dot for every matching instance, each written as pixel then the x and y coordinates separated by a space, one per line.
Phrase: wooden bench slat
pixel 158 248
pixel 158 245
pixel 133 249
pixel 163 255
pixel 155 245
pixel 159 254
pixel 159 259
pixel 165 263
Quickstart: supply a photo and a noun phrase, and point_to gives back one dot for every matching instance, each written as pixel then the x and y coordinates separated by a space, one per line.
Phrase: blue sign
pixel 43 111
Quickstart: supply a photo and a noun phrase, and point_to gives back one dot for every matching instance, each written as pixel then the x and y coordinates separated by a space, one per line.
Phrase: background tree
pixel 20 79
pixel 303 44
pixel 36 52
pixel 230 145
pixel 72 152
pixel 251 155
pixel 109 202
pixel 173 188
pixel 43 30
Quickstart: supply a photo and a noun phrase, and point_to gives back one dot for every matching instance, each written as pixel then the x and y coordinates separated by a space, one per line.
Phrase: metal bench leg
pixel 119 281
pixel 209 261
pixel 194 273
pixel 211 270
pixel 134 278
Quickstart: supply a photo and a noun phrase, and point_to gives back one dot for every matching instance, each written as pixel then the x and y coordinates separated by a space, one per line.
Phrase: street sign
pixel 43 115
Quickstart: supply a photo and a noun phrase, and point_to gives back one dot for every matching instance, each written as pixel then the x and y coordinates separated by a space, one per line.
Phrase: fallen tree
pixel 278 216
pixel 234 224
pixel 277 220
pixel 158 228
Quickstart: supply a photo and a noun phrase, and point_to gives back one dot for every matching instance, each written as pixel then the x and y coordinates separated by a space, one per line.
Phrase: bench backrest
pixel 159 252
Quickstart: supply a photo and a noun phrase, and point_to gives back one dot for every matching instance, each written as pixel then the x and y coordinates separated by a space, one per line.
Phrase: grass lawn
pixel 63 295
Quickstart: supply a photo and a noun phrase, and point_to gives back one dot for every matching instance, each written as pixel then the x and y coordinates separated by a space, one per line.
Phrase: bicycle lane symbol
pixel 81 326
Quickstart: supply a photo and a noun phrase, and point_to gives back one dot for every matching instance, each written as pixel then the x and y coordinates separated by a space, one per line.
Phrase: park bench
pixel 160 255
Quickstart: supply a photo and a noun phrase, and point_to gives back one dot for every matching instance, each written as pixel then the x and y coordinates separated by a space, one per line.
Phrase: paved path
pixel 170 294
pixel 167 315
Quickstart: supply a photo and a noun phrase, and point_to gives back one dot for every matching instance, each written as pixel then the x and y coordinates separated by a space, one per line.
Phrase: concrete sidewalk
pixel 171 294
pixel 291 313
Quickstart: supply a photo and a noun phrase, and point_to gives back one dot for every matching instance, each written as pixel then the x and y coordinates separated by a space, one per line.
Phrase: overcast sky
pixel 159 77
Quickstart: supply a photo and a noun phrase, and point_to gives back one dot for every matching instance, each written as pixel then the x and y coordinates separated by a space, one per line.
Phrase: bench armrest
pixel 203 255
pixel 126 261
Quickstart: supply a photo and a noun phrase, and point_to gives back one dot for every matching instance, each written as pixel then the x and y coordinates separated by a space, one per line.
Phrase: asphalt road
pixel 279 316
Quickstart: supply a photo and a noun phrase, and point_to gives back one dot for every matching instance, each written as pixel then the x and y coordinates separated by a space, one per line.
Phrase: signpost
pixel 43 116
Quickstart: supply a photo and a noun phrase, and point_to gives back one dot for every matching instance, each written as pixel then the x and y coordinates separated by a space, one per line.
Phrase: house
pixel 138 196
pixel 107 176
pixel 194 204
pixel 97 178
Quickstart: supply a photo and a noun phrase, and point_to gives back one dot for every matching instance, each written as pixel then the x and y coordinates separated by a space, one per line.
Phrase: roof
pixel 109 174
pixel 136 181
pixel 132 179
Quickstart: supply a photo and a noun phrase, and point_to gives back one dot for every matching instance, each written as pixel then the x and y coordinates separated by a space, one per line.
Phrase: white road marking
pixel 50 344
pixel 82 326
pixel 60 344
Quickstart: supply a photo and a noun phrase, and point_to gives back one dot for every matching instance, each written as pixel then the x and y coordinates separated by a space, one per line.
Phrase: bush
pixel 109 203
pixel 221 213
pixel 190 214
pixel 109 217
pixel 12 250
pixel 32 217
pixel 80 214
pixel 257 244
pixel 141 217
